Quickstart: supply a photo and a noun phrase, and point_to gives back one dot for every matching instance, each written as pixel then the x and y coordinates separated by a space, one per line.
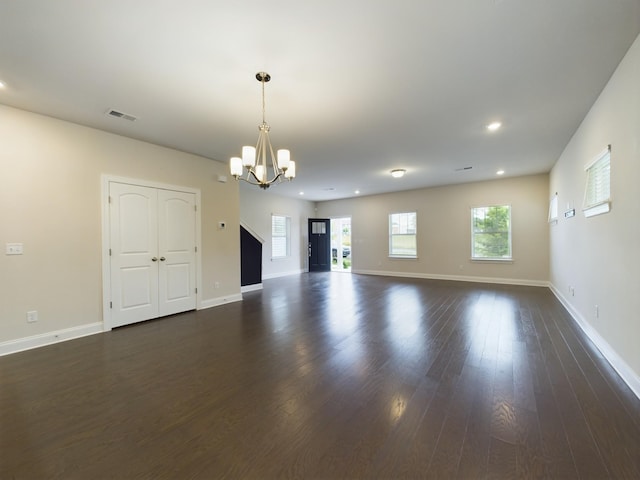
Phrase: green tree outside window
pixel 491 232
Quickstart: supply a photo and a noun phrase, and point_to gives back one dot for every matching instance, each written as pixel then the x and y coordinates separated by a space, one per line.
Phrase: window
pixel 553 209
pixel 402 235
pixel 491 233
pixel 597 193
pixel 280 236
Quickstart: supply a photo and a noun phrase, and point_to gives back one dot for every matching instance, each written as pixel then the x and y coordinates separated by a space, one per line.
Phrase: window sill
pixel 278 259
pixel 409 257
pixel 492 260
pixel 599 209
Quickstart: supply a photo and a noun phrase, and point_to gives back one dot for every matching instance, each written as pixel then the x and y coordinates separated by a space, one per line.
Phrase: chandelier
pixel 259 170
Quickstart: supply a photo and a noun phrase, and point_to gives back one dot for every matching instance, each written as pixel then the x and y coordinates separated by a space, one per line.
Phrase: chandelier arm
pixel 256 183
pixel 258 158
pixel 277 172
pixel 274 159
pixel 252 173
pixel 263 159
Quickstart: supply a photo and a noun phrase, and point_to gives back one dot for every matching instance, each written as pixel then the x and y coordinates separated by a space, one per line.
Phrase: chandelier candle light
pixel 254 159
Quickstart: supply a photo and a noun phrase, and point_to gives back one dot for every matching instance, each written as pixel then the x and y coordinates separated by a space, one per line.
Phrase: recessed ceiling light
pixel 357 192
pixel 398 172
pixel 500 172
pixel 2 84
pixel 301 193
pixel 492 127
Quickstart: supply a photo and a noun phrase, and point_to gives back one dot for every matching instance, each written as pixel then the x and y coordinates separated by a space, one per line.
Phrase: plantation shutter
pixel 279 236
pixel 597 193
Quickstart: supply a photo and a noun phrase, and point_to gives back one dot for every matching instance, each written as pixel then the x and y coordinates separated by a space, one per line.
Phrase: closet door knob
pixel 162 259
pixel 154 259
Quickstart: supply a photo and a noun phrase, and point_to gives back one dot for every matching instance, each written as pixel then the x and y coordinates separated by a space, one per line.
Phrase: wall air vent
pixel 118 114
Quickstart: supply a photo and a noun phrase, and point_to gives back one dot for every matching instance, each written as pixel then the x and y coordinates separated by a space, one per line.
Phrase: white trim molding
pixel 283 274
pixel 619 365
pixel 251 288
pixel 49 338
pixel 252 232
pixel 457 278
pixel 214 302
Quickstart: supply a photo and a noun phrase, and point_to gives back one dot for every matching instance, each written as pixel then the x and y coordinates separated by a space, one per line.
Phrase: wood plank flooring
pixel 327 376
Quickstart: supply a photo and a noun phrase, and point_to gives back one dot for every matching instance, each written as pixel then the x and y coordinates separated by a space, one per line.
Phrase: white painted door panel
pixel 153 260
pixel 134 244
pixel 176 240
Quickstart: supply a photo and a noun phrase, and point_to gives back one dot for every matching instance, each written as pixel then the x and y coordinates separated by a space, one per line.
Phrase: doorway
pixel 150 264
pixel 341 245
pixel 319 245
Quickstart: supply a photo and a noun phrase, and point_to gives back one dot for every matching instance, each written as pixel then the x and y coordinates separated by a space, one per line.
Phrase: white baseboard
pixel 49 338
pixel 457 278
pixel 214 302
pixel 251 288
pixel 35 341
pixel 283 274
pixel 630 377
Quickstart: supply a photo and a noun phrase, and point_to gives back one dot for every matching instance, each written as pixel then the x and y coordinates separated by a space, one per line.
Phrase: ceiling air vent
pixel 462 169
pixel 118 114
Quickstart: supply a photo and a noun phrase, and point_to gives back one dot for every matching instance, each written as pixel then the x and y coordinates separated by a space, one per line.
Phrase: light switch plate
pixel 15 249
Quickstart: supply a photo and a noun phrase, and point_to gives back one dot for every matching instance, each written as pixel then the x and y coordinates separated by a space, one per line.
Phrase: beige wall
pixel 444 230
pixel 50 200
pixel 600 256
pixel 256 208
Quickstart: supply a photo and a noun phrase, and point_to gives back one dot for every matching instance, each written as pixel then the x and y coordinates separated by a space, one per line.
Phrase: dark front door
pixel 319 245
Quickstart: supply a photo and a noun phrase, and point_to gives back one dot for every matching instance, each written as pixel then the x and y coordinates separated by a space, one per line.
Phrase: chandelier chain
pixel 263 103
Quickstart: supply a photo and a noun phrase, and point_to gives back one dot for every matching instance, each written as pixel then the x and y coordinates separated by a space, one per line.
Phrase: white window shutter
pixel 597 193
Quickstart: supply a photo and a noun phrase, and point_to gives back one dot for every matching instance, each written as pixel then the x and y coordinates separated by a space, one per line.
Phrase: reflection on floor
pixel 327 376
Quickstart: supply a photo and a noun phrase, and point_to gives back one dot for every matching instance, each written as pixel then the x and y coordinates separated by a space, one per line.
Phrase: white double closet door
pixel 152 252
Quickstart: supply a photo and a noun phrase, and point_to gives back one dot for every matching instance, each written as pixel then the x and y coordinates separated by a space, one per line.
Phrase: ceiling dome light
pixel 398 173
pixel 500 172
pixel 492 127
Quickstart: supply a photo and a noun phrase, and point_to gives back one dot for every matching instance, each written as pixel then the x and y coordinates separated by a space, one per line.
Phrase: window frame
pixel 395 254
pixel 553 209
pixel 474 256
pixel 286 236
pixel 597 190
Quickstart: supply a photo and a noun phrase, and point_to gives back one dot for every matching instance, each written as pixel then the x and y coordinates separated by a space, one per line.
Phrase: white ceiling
pixel 358 87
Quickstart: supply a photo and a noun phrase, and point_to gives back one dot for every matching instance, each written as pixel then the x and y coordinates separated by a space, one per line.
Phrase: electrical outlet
pixel 216 284
pixel 32 316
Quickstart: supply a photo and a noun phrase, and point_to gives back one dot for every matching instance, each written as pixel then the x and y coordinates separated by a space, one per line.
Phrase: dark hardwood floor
pixel 327 376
